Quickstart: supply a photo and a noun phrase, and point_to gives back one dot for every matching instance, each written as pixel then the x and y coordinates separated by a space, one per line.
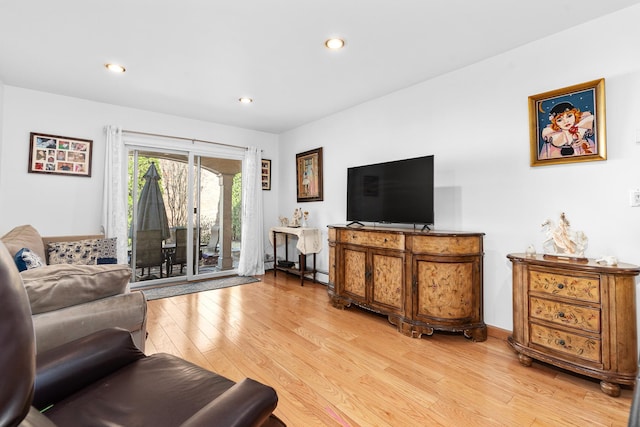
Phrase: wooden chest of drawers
pixel 579 316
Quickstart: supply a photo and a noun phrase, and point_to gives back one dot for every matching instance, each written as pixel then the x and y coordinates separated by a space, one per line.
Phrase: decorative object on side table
pixel 531 251
pixel 284 221
pixel 59 155
pixel 607 260
pixel 295 219
pixel 562 242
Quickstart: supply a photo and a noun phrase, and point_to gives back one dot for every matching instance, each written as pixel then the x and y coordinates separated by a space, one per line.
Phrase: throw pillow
pixel 24 236
pixel 25 260
pixel 107 251
pixel 83 252
pixel 57 286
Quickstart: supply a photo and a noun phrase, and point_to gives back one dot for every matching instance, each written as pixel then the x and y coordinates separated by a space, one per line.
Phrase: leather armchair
pixel 104 380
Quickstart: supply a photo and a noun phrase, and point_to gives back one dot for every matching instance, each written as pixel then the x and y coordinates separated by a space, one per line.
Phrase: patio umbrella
pixel 152 214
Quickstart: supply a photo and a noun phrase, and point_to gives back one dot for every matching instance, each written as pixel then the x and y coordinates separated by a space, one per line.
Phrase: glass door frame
pixel 191 149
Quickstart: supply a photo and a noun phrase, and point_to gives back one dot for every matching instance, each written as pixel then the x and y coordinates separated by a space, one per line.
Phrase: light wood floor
pixel 351 368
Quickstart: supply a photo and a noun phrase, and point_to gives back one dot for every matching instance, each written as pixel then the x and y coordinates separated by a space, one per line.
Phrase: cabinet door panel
pixel 355 262
pixel 444 290
pixel 388 279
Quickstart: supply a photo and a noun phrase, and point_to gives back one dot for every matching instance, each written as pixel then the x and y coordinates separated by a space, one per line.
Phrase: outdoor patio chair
pixel 149 251
pixel 211 252
pixel 180 254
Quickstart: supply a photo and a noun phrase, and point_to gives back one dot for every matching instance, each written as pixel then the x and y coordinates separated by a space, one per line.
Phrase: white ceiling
pixel 195 58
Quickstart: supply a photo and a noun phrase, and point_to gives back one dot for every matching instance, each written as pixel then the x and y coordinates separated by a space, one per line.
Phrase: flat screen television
pixel 400 191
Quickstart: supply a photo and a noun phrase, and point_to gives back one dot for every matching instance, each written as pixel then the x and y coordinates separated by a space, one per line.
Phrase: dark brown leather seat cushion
pixel 162 390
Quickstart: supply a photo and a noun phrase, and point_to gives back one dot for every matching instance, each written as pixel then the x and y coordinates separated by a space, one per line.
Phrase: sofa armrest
pixel 246 404
pixel 70 367
pixel 52 287
pixel 127 311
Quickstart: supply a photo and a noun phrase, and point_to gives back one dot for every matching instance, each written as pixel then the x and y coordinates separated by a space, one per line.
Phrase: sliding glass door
pixel 184 215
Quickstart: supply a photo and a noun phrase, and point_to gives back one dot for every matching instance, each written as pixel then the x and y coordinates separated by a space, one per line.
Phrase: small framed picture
pixel 568 125
pixel 266 174
pixel 309 175
pixel 59 155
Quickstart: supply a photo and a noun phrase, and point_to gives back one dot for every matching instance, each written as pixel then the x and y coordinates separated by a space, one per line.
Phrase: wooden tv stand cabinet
pixel 421 280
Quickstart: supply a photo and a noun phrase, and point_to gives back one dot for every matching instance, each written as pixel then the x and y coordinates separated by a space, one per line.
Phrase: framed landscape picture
pixel 309 175
pixel 59 155
pixel 568 125
pixel 266 174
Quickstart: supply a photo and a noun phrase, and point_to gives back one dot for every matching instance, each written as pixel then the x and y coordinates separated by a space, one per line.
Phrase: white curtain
pixel 252 253
pixel 114 205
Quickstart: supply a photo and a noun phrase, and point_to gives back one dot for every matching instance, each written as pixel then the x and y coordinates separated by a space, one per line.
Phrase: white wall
pixel 475 122
pixel 1 127
pixel 61 205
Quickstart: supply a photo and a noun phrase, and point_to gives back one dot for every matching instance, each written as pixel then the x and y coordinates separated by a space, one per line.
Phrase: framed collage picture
pixel 59 155
pixel 266 174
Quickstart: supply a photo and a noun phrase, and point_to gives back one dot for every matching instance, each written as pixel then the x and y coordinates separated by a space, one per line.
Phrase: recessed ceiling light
pixel 245 100
pixel 116 68
pixel 334 43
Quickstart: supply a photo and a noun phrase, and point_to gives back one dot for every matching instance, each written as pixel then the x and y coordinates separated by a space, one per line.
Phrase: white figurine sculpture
pixel 297 215
pixel 561 240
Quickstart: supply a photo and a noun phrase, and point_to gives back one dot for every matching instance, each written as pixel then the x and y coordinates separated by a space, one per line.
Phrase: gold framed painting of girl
pixel 568 125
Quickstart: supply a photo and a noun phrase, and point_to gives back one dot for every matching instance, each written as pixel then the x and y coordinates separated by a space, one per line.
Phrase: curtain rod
pixel 182 138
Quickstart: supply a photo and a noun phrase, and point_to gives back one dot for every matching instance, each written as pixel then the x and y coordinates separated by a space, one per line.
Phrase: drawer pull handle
pixel 561 342
pixel 560 286
pixel 561 314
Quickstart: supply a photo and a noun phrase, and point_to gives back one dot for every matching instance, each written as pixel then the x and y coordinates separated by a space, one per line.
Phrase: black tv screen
pixel 394 192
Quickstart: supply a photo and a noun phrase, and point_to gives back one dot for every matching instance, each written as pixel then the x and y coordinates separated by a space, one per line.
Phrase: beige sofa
pixel 70 301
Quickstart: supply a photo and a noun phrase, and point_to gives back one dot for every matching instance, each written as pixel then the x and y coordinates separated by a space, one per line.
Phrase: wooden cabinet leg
pixel 610 389
pixel 339 302
pixel 524 359
pixel 476 334
pixel 275 254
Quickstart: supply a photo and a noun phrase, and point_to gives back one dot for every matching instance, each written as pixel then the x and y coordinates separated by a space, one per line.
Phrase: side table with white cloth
pixel 309 242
